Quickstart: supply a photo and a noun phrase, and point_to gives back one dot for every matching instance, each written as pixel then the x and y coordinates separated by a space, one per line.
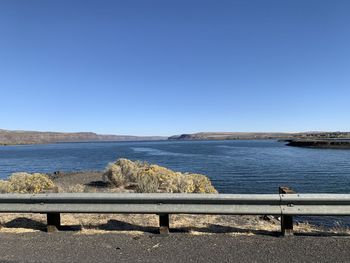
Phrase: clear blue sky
pixel 169 67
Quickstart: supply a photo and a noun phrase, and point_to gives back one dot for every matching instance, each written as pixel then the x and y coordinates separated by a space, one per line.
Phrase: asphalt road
pixel 178 247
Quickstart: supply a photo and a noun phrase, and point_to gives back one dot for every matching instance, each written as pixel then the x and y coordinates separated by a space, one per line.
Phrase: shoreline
pixel 319 143
pixel 166 140
pixel 48 143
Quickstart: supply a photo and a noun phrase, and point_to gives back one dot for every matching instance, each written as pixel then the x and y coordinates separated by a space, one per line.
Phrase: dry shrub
pixel 201 184
pixel 26 183
pixel 150 178
pixel 114 175
pixel 4 186
pixel 130 170
pixel 184 184
pixel 147 184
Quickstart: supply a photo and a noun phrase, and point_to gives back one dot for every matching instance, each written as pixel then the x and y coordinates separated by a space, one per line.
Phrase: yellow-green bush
pixel 26 183
pixel 154 178
pixel 201 184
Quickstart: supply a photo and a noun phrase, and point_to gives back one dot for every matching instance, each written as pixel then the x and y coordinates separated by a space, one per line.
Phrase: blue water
pixel 233 166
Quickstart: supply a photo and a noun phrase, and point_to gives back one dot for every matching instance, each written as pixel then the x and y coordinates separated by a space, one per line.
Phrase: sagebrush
pixel 26 183
pixel 154 178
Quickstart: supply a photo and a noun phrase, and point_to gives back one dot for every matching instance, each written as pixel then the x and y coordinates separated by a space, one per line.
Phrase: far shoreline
pixel 141 141
pixel 341 144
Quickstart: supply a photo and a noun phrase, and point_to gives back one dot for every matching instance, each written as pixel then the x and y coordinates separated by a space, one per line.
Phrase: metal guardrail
pixel 286 204
pixel 315 204
pixel 141 203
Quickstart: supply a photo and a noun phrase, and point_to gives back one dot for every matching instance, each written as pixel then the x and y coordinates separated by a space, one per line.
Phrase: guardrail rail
pixel 286 204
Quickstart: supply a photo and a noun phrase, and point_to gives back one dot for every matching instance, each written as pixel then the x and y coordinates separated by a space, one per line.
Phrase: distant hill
pixel 33 137
pixel 259 135
pixel 8 137
pixel 231 136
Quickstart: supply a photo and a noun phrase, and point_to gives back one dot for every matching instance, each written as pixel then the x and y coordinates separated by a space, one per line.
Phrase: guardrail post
pixel 53 222
pixel 164 224
pixel 286 220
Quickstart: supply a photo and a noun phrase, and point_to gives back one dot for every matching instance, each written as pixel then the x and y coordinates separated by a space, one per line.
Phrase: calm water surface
pixel 233 166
